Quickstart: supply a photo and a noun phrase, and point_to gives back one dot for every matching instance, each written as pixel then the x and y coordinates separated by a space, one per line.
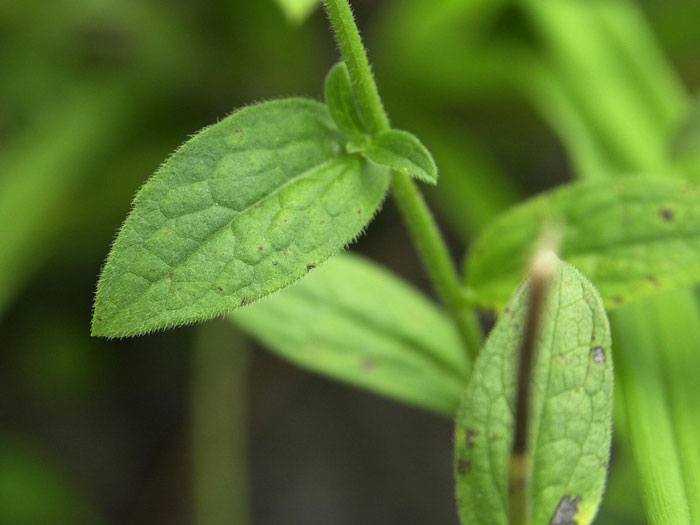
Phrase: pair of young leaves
pixel 247 207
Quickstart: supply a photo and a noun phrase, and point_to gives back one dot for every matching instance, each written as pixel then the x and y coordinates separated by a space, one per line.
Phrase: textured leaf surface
pixel 298 10
pixel 403 152
pixel 571 411
pixel 342 106
pixel 353 321
pixel 238 212
pixel 632 237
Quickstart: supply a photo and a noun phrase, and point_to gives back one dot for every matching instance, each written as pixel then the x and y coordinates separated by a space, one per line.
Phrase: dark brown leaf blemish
pixel 617 299
pixel 566 511
pixel 654 280
pixel 463 466
pixel 667 214
pixel 471 437
pixel 310 267
pixel 368 364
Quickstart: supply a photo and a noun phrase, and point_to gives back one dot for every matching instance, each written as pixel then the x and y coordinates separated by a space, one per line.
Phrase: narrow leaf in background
pixel 43 169
pixel 633 237
pixel 356 322
pixel 571 410
pixel 243 209
pixel 651 429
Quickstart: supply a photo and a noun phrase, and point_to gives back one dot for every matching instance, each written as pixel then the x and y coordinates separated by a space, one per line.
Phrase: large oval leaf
pixel 241 210
pixel 571 410
pixel 353 321
pixel 632 237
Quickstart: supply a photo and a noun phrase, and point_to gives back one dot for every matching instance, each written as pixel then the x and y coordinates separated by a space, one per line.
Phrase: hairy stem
pixel 418 218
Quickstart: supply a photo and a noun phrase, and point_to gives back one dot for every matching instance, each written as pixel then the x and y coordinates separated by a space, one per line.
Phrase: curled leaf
pixel 569 428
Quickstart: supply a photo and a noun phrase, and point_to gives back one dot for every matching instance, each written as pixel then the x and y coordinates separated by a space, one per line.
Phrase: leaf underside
pixel 571 410
pixel 632 237
pixel 241 210
pixel 332 322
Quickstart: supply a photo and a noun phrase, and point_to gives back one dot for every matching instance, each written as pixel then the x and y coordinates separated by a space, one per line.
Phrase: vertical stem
pixel 219 426
pixel 436 258
pixel 419 220
pixel 353 51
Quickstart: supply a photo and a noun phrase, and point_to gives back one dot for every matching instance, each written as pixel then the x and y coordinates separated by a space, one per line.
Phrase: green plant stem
pixel 355 56
pixel 419 220
pixel 436 258
pixel 219 426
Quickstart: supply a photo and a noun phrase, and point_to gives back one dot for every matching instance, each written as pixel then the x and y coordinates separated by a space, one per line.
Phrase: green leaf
pixel 343 107
pixel 355 322
pixel 571 410
pixel 244 208
pixel 633 237
pixel 298 10
pixel 642 347
pixel 402 152
pixel 685 143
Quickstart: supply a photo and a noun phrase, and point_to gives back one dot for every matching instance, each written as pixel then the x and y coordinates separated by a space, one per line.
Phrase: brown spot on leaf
pixel 310 267
pixel 654 280
pixel 359 211
pixel 617 299
pixel 566 511
pixel 244 301
pixel 274 263
pixel 598 355
pixel 368 364
pixel 471 437
pixel 220 288
pixel 463 466
pixel 667 214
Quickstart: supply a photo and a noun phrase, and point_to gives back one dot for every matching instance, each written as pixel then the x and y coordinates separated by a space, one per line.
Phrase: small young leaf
pixel 403 152
pixel 633 237
pixel 571 410
pixel 353 321
pixel 342 106
pixel 239 211
pixel 298 10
